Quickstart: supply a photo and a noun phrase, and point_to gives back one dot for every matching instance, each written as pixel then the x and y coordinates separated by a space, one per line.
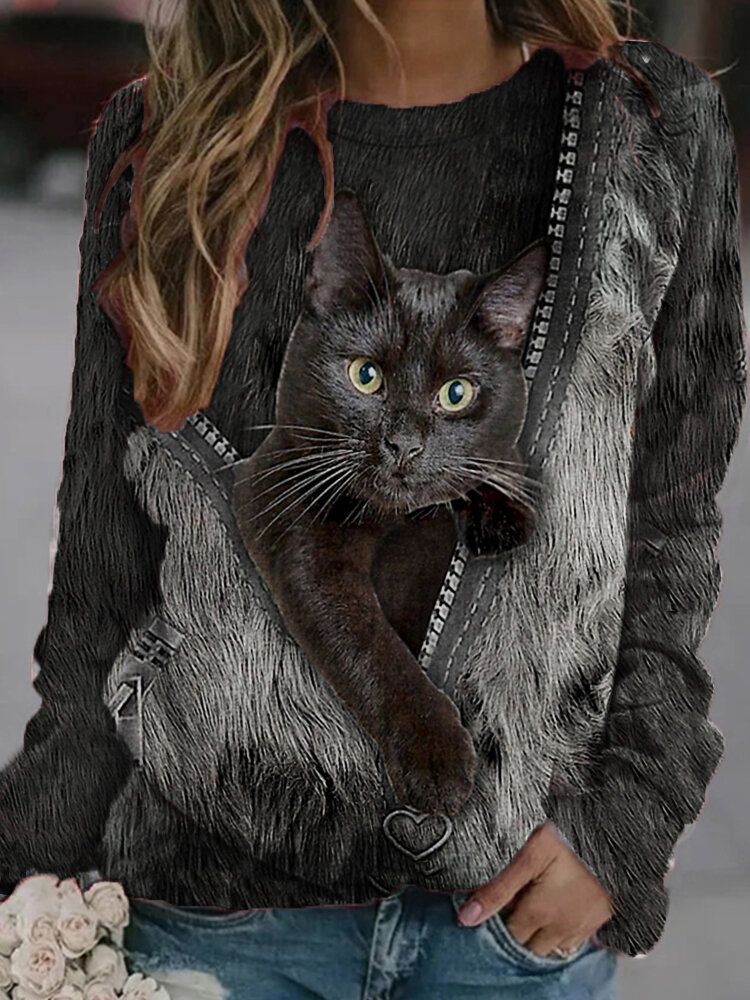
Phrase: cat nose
pixel 403 448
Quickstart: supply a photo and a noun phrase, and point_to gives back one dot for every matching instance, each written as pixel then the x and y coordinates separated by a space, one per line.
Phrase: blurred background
pixel 59 61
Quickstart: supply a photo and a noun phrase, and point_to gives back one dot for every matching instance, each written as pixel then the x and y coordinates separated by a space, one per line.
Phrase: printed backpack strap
pixel 209 458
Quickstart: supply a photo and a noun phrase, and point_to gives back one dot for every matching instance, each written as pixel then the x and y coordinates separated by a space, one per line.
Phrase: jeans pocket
pixel 515 953
pixel 214 917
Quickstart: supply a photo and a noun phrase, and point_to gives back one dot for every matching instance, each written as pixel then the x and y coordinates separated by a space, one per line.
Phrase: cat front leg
pixel 329 605
pixel 320 578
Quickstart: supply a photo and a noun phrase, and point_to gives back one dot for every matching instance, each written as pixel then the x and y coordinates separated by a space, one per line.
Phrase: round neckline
pixel 421 124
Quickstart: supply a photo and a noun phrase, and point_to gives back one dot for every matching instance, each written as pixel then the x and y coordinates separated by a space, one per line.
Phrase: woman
pixel 201 761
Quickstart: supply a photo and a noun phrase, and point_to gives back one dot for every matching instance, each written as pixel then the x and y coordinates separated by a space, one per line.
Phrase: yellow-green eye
pixel 365 375
pixel 456 394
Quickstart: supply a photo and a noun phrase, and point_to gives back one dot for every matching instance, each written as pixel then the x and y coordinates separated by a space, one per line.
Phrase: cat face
pixel 421 372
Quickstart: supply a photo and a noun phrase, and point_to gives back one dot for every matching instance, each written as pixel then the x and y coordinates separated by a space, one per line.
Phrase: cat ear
pixel 347 268
pixel 506 302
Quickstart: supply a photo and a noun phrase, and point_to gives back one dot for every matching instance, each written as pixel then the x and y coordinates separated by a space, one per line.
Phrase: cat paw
pixel 433 768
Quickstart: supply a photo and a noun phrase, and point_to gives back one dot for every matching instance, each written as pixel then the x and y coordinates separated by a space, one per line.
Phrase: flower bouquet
pixel 58 942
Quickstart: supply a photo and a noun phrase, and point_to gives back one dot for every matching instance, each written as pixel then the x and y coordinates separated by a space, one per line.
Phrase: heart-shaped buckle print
pixel 417 826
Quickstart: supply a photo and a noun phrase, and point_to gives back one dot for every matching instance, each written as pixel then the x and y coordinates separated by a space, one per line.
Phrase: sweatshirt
pixel 187 748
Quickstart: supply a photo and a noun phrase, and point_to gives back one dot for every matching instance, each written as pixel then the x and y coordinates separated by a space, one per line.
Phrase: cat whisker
pixel 320 482
pixel 343 439
pixel 512 490
pixel 289 507
pixel 452 492
pixel 307 476
pixel 295 464
pixel 300 474
pixel 260 473
pixel 302 427
pixel 509 489
pixel 363 511
pixel 336 488
pixel 429 510
pixel 335 496
pixel 365 505
pixel 255 475
pixel 513 484
pixel 515 477
pixel 511 475
pixel 295 474
pixel 501 462
pixel 301 460
pixel 322 446
pixel 352 515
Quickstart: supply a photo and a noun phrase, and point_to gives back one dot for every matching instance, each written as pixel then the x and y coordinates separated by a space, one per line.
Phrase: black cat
pixel 401 394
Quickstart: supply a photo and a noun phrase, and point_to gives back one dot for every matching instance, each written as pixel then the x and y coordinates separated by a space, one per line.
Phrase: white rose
pixel 67 992
pixel 30 886
pixel 116 937
pixel 38 967
pixel 74 975
pixel 35 889
pixel 20 994
pixel 78 927
pixel 109 902
pixel 106 965
pixel 70 890
pixel 36 905
pixel 6 979
pixel 140 987
pixel 9 936
pixel 99 991
pixel 36 922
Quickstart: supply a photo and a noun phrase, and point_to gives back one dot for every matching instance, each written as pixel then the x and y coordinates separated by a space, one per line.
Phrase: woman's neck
pixel 447 50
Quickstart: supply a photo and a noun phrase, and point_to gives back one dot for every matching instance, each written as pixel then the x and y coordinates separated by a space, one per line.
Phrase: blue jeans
pixel 408 946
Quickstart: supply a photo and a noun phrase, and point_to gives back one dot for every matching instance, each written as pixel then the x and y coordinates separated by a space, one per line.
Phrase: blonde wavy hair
pixel 226 80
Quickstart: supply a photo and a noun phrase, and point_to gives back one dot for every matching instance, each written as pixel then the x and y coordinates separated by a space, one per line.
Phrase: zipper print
pixel 212 436
pixel 536 342
pixel 444 602
pixel 154 646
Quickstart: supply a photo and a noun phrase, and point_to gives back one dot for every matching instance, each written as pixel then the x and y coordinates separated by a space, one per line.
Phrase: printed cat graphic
pixel 401 395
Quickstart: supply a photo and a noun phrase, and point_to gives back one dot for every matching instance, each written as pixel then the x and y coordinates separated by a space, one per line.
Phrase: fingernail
pixel 470 913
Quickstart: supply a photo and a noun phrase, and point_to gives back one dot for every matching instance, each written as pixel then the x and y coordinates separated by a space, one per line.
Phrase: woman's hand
pixel 558 901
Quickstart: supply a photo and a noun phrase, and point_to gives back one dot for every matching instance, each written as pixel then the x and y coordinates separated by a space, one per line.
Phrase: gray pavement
pixel 703 954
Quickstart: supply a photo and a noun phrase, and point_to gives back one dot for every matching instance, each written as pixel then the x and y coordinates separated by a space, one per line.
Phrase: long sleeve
pixel 660 749
pixel 56 791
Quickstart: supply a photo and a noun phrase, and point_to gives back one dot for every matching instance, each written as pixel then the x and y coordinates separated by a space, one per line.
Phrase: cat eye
pixel 456 394
pixel 365 375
